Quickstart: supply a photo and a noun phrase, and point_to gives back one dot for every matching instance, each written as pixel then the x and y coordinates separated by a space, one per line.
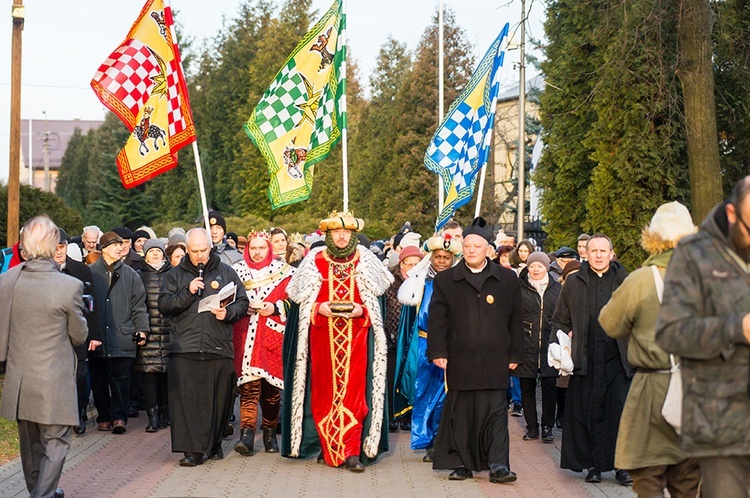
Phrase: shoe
pixel 353 464
pixel 216 454
pixel 427 458
pixel 593 476
pixel 547 436
pixel 153 419
pixel 460 474
pixel 404 426
pixel 191 460
pixel 59 493
pixel 558 422
pixel 502 475
pixel 133 412
pixel 516 411
pixel 531 435
pixel 269 440
pixel 393 427
pixel 163 417
pixel 229 430
pixel 623 477
pixel 321 458
pixel 104 426
pixel 119 427
pixel 244 446
pixel 81 427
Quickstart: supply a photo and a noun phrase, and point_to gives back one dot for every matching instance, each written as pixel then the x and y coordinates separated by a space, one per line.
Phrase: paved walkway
pixel 137 464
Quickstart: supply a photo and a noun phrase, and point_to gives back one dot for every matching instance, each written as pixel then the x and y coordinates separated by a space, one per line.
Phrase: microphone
pixel 200 274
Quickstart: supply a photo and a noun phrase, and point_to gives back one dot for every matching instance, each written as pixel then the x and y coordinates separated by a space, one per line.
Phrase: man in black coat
pixel 601 372
pixel 200 375
pixel 82 272
pixel 476 336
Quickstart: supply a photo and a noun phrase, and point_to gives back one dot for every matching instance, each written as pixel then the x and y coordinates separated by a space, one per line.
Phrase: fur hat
pixel 538 257
pixel 479 227
pixel 108 239
pixel 338 220
pixel 154 243
pixel 670 223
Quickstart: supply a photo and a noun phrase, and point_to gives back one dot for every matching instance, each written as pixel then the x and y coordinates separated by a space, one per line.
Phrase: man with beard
pixel 258 338
pixel 476 337
pixel 601 372
pixel 200 375
pixel 335 352
pixel 705 319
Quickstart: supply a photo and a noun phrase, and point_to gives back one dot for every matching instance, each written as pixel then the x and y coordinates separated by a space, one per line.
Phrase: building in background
pixel 43 141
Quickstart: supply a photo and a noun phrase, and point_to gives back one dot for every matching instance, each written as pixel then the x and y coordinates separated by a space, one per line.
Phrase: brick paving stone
pixel 137 464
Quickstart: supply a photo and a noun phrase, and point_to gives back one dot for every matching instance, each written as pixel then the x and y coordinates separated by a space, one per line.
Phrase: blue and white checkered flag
pixel 461 144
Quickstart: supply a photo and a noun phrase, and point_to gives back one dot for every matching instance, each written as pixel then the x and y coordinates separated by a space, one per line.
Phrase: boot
pixel 269 440
pixel 153 419
pixel 244 446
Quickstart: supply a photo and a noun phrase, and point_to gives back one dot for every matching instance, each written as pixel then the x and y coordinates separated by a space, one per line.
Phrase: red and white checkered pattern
pixel 126 74
pixel 174 111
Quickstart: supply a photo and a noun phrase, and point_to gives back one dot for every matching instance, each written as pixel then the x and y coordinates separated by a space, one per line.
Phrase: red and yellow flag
pixel 143 84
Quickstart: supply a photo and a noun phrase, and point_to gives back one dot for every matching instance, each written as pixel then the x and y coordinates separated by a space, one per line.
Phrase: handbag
pixel 671 410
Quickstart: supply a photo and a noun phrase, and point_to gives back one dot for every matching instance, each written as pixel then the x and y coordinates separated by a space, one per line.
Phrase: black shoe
pixel 623 477
pixel 153 419
pixel 460 474
pixel 593 476
pixel 163 417
pixel 393 427
pixel 229 430
pixel 59 493
pixel 269 440
pixel 217 453
pixel 244 446
pixel 427 458
pixel 353 464
pixel 516 411
pixel 502 475
pixel 133 412
pixel 81 427
pixel 405 426
pixel 558 422
pixel 191 460
pixel 547 436
pixel 531 435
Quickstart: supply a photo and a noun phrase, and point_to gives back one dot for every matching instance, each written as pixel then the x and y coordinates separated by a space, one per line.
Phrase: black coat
pixel 134 260
pixel 83 273
pixel 572 313
pixel 477 329
pixel 154 356
pixel 537 325
pixel 194 332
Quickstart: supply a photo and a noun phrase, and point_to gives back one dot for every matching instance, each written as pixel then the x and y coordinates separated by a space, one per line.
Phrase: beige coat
pixel 41 319
pixel 645 439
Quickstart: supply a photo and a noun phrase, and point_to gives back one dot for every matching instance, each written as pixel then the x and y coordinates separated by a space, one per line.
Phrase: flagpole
pixel 478 207
pixel 201 187
pixel 344 131
pixel 522 125
pixel 441 91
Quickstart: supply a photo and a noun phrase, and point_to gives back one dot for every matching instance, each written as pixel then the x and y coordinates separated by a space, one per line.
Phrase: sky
pixel 64 42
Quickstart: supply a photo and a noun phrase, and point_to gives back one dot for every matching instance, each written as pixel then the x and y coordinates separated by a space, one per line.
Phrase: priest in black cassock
pixel 476 336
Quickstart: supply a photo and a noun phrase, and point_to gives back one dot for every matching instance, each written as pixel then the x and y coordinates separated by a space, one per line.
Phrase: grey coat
pixel 41 320
pixel 706 294
pixel 120 298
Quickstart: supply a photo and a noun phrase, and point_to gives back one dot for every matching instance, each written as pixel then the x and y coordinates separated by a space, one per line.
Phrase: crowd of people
pixel 337 341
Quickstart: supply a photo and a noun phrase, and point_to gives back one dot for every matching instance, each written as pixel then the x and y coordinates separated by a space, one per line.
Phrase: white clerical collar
pixel 478 270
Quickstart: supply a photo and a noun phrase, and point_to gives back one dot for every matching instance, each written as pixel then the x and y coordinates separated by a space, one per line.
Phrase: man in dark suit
pixel 476 336
pixel 76 269
pixel 41 321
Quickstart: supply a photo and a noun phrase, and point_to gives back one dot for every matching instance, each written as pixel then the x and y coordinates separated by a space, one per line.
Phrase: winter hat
pixel 571 267
pixel 177 238
pixel 671 222
pixel 141 234
pixel 566 252
pixel 154 243
pixel 215 218
pixel 122 232
pixel 108 239
pixel 539 257
pixel 408 252
pixel 479 227
pixel 410 239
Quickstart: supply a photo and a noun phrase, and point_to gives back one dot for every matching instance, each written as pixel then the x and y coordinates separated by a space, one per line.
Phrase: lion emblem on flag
pixel 294 160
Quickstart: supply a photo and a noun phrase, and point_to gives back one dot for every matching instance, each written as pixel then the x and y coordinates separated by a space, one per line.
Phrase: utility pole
pixel 522 125
pixel 45 153
pixel 14 165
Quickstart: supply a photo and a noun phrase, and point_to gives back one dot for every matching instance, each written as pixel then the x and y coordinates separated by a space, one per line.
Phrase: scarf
pixel 346 251
pixel 541 284
pixel 266 261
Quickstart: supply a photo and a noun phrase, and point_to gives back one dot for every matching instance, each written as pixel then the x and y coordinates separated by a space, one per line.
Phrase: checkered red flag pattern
pixel 142 82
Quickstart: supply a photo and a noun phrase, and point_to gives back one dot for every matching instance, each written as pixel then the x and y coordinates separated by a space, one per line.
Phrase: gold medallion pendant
pixel 490 299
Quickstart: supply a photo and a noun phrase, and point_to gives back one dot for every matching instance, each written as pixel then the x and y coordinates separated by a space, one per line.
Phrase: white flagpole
pixel 478 207
pixel 344 134
pixel 522 125
pixel 201 187
pixel 441 91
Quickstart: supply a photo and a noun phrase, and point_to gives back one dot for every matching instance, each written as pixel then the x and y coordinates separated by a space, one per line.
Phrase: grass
pixel 8 435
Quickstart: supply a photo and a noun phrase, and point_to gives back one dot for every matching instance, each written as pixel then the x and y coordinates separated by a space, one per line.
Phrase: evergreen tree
pixel 73 173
